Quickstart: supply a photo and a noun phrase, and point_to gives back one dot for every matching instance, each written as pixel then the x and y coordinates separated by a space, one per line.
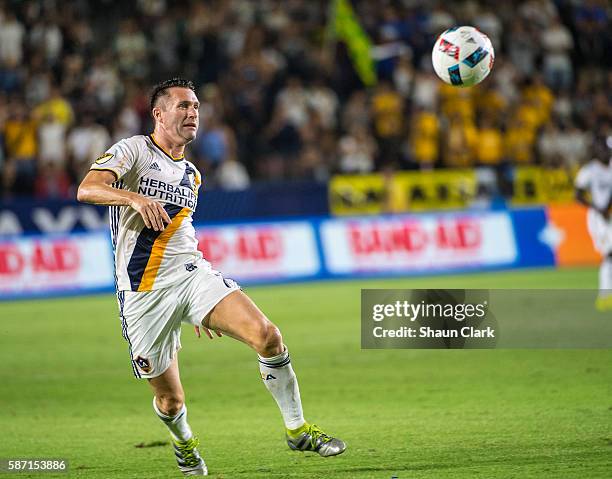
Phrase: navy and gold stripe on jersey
pixel 149 250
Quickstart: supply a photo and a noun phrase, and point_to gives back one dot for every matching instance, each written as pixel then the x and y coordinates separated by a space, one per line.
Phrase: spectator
pixel 292 101
pixel 403 76
pixel 55 106
pixel 357 151
pixel 46 36
pixel 490 101
pixel 425 91
pixel 557 43
pixel 52 141
pixel 506 79
pixel 166 38
pixel 52 182
pixel 127 123
pixel 131 49
pixel 592 21
pixel 212 144
pixel 457 101
pixel 522 48
pixel 356 111
pixel 440 19
pixel 563 106
pixel 539 12
pixel 79 38
pixel 72 83
pixel 39 82
pixel 388 116
pixel 425 139
pixel 311 165
pixel 103 83
pixel 538 96
pixel 20 142
pixel 324 101
pixel 86 142
pixel 519 142
pixel 548 145
pixel 232 176
pixel 460 138
pixel 489 149
pixel 12 33
pixel 574 145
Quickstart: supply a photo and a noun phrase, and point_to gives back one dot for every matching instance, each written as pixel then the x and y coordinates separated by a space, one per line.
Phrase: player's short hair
pixel 161 89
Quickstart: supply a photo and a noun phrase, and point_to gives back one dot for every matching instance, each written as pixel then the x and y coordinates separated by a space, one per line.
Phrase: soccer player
pixel 162 279
pixel 596 178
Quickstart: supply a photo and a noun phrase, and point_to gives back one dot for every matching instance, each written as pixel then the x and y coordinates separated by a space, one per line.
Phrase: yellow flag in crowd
pixel 345 26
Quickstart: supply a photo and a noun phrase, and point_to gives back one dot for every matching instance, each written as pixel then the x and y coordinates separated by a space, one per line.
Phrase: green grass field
pixel 66 390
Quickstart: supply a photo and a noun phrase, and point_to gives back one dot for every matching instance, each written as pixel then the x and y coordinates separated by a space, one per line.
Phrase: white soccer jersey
pixel 597 179
pixel 145 259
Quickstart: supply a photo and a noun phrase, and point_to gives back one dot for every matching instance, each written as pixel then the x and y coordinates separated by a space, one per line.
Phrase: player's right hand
pixel 153 213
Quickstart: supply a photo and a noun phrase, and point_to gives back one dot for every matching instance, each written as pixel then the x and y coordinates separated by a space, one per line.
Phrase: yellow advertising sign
pixel 427 190
pixel 441 189
pixel 402 191
pixel 536 185
pixel 358 194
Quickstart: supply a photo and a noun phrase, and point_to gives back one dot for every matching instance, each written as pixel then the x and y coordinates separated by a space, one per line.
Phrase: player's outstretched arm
pixel 96 189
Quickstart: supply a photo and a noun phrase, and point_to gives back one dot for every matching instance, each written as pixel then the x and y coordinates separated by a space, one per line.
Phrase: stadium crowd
pixel 280 98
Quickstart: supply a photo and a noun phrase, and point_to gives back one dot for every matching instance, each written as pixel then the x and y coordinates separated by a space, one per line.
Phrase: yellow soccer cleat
pixel 604 303
pixel 310 438
pixel 188 458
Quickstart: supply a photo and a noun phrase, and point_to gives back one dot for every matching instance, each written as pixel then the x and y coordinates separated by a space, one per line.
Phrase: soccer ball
pixel 462 56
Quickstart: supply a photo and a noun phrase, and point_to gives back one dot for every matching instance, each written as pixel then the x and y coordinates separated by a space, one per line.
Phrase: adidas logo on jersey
pixel 154 166
pixel 190 267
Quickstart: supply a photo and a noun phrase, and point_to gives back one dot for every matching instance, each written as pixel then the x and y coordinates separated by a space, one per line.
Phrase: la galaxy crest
pixel 143 364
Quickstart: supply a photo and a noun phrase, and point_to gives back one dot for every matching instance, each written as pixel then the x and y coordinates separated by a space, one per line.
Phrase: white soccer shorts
pixel 151 320
pixel 601 232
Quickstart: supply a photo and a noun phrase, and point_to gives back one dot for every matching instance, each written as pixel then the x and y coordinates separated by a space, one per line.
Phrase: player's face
pixel 180 117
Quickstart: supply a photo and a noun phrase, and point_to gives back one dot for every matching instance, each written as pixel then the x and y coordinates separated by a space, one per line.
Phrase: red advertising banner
pixel 39 264
pixel 417 243
pixel 261 251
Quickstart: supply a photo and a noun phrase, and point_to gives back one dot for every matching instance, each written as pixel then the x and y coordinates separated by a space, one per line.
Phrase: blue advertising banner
pixel 534 236
pixel 26 216
pixel 312 248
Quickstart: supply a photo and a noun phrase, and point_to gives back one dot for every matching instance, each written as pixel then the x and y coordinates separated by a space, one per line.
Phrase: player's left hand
pixel 207 331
